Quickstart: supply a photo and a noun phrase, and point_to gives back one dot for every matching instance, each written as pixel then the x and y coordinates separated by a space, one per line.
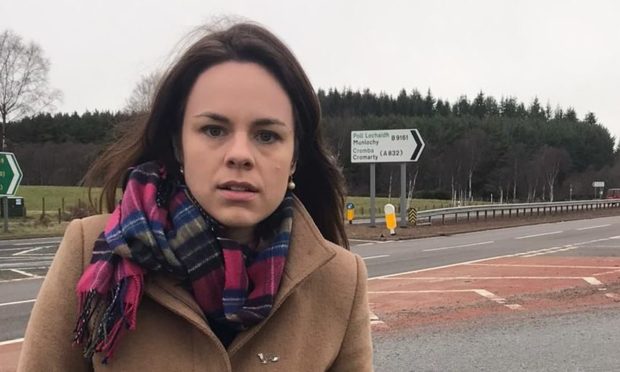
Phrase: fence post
pixel 43 206
pixel 62 204
pixel 59 216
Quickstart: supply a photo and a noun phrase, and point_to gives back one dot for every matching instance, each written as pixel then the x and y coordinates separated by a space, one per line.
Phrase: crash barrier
pixel 479 212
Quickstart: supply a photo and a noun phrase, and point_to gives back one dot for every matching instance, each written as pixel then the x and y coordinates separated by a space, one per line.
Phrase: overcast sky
pixel 566 53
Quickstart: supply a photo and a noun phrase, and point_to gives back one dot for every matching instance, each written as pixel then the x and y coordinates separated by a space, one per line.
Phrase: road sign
pixel 598 184
pixel 386 146
pixel 10 174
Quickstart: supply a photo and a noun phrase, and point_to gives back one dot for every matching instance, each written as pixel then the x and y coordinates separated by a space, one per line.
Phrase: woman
pixel 224 253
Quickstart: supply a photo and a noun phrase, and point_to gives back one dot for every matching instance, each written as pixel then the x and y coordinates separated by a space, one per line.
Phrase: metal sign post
pixel 372 194
pixel 387 146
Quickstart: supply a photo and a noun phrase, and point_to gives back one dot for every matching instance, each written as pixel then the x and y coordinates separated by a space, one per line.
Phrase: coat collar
pixel 308 251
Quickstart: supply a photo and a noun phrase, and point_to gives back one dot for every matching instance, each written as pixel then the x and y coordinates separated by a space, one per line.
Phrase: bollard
pixel 59 216
pixel 350 212
pixel 390 218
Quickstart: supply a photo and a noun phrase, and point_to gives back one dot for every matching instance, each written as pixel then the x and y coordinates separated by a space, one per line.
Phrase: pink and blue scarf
pixel 159 228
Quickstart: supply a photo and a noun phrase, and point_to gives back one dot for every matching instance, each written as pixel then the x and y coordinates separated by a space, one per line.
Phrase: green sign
pixel 10 174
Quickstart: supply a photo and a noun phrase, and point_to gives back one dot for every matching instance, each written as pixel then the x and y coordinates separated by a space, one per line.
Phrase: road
pixel 382 258
pixel 585 341
pixel 24 261
pixel 389 257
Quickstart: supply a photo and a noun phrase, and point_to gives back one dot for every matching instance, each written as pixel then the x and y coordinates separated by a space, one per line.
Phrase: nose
pixel 239 153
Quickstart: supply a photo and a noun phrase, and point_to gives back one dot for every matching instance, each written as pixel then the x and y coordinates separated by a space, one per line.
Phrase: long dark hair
pixel 320 184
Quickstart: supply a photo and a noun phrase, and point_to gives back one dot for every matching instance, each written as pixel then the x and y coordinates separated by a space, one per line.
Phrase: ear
pixel 293 167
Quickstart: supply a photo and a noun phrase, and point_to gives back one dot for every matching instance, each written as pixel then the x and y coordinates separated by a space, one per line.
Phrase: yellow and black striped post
pixel 412 216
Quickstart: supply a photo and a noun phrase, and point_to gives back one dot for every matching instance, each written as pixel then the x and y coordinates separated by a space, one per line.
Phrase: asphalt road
pixel 25 259
pixel 391 257
pixel 566 342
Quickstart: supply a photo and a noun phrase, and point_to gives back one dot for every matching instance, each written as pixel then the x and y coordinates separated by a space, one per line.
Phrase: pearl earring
pixel 291 184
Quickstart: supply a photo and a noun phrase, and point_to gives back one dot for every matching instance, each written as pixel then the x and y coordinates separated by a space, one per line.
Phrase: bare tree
pixel 553 161
pixel 143 94
pixel 472 148
pixel 24 85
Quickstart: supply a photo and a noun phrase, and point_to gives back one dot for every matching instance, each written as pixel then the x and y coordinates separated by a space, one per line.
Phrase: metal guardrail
pixel 512 210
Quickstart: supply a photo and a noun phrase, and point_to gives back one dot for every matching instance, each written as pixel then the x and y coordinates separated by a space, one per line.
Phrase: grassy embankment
pixel 362 204
pixel 35 225
pixel 36 198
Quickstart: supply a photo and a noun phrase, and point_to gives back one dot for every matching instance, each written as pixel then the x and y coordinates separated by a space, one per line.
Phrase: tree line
pixel 475 149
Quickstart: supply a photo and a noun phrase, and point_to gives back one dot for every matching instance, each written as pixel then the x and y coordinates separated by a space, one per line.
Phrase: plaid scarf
pixel 158 227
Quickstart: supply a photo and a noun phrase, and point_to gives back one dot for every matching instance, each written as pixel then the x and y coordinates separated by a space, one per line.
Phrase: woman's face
pixel 237 143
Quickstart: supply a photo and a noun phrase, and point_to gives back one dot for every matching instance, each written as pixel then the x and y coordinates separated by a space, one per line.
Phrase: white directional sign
pixel 598 184
pixel 386 146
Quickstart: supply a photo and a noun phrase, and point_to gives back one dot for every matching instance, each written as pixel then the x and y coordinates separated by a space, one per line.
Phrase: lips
pixel 238 186
pixel 234 191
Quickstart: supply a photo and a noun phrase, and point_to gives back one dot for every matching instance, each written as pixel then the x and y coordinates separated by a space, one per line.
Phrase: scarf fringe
pixel 110 323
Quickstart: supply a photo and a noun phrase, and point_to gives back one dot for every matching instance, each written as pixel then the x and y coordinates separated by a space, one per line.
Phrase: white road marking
pixel 24 258
pixel 592 227
pixel 559 266
pixel 20 279
pixel 458 246
pixel 11 249
pixel 541 252
pixel 364 244
pixel 500 300
pixel 32 250
pixel 606 272
pixel 379 256
pixel 592 281
pixel 437 267
pixel 485 259
pixel 17 302
pixel 482 292
pixel 496 277
pixel 38 242
pixel 424 291
pixel 537 235
pixel 362 240
pixel 9 342
pixel 374 319
pixel 24 273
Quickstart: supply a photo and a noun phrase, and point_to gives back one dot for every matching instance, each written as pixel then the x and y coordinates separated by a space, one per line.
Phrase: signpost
pixel 10 177
pixel 598 185
pixel 387 146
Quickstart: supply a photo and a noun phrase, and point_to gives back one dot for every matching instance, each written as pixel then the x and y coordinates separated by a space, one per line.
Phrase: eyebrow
pixel 223 119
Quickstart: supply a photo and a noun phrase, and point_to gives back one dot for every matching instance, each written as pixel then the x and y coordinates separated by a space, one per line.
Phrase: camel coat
pixel 320 319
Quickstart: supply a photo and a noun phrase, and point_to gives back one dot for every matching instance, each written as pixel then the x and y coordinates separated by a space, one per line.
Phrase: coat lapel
pixel 169 293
